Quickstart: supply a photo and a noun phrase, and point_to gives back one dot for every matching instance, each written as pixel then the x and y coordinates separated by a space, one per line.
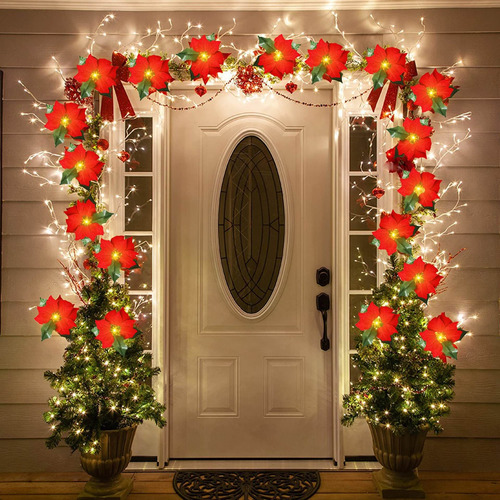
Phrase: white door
pixel 248 378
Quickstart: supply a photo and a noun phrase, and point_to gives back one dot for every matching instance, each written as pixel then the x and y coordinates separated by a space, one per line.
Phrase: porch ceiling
pixel 240 5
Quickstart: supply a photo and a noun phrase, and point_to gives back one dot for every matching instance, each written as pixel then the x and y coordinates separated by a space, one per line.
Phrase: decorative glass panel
pixel 362 262
pixel 142 278
pixel 138 206
pixel 138 143
pixel 355 303
pixel 251 224
pixel 362 204
pixel 363 143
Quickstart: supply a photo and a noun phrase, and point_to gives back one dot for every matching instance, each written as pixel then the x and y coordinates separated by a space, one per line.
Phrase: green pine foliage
pixel 400 385
pixel 99 389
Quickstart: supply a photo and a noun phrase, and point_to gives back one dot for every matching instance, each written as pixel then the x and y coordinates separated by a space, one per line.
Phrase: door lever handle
pixel 322 305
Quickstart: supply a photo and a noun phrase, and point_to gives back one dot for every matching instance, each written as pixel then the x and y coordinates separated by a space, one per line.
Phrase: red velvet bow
pixel 124 103
pixel 392 92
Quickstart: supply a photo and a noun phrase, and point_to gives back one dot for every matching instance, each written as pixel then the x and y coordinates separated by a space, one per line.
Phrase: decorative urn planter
pixel 106 466
pixel 399 455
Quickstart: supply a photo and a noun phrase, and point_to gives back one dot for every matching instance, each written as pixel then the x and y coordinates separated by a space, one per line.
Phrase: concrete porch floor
pixel 345 485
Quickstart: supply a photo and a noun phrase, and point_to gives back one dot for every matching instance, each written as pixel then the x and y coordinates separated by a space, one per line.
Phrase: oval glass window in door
pixel 251 224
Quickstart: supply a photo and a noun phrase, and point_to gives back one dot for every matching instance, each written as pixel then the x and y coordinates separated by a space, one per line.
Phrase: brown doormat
pixel 246 484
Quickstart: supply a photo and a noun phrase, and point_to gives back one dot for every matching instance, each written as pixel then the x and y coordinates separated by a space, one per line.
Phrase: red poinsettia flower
pixel 82 165
pixel 204 57
pixel 393 228
pixel 115 324
pixel 386 63
pixel 421 187
pixel 381 320
pixel 81 222
pixel 66 119
pixel 56 314
pixel 440 337
pixel 398 164
pixel 281 60
pixel 98 74
pixel 117 254
pixel 432 92
pixel 421 277
pixel 327 61
pixel 417 141
pixel 150 72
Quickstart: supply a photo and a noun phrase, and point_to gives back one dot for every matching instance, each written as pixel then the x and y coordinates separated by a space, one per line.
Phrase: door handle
pixel 322 305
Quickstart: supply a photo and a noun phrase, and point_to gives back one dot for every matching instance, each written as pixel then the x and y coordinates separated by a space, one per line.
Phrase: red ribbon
pixel 391 96
pixel 122 74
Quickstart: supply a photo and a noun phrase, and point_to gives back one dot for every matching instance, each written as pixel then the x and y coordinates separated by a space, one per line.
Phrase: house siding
pixel 28 39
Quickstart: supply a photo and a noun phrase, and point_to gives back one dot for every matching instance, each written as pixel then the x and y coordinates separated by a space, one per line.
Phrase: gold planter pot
pixel 399 456
pixel 106 467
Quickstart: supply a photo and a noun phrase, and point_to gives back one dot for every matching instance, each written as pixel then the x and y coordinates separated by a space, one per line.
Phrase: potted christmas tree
pixel 104 385
pixel 405 382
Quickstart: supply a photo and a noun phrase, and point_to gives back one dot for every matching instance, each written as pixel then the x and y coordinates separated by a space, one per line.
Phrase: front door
pixel 250 204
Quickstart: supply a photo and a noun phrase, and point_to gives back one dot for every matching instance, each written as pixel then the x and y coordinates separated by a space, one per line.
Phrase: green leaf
pixel 424 121
pixel 114 270
pixel 406 288
pixel 398 132
pixel 364 308
pixel 412 97
pixel 449 349
pixel 439 106
pixel 421 342
pixel 68 175
pixel 164 89
pixel 59 134
pixel 267 44
pixel 368 337
pixel 42 302
pixel 97 247
pixel 101 217
pixel 95 331
pixel 403 246
pixel 49 108
pixel 455 90
pixel 463 334
pixel 211 37
pixel 317 73
pixel 137 333
pixel 313 44
pixel 188 54
pixel 119 345
pixel 131 61
pixel 375 242
pixel 256 63
pixel 295 45
pixel 370 52
pixel 71 147
pixel 81 60
pixel 86 241
pixel 143 88
pixel 406 174
pixel 47 330
pixel 410 201
pixel 379 79
pixel 135 266
pixel 87 88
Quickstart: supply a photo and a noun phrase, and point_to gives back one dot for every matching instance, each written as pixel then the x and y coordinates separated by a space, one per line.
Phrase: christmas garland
pixel 393 327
